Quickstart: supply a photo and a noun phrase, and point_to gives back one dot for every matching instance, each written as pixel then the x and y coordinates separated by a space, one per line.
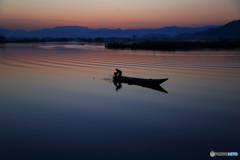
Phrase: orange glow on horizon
pixel 124 14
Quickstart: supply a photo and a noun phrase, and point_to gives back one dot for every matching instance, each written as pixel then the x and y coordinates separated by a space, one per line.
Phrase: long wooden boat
pixel 148 83
pixel 139 80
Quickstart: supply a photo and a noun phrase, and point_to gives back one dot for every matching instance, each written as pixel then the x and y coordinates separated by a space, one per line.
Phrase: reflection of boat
pixel 148 83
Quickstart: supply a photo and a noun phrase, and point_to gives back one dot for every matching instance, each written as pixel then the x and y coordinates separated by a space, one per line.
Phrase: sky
pixel 124 14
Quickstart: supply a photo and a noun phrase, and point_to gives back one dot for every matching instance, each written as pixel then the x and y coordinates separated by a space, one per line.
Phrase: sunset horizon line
pixel 50 27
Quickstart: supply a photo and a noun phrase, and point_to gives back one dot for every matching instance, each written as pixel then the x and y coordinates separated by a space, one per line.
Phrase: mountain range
pixel 230 30
pixel 85 32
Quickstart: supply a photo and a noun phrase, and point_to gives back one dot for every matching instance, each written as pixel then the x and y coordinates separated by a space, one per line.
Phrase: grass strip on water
pixel 174 45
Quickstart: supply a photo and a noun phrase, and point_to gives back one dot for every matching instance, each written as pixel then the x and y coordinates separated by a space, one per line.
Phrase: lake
pixel 58 101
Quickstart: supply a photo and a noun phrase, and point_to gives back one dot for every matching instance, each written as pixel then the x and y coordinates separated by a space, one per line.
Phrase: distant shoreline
pixel 168 45
pixel 175 45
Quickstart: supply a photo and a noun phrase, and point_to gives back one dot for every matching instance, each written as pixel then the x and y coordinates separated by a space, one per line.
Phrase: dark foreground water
pixel 58 102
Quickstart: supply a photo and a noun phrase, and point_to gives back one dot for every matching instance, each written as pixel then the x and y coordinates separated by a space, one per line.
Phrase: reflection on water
pixel 55 105
pixel 118 85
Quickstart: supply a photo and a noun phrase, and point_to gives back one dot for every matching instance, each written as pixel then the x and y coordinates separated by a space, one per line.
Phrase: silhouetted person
pixel 118 73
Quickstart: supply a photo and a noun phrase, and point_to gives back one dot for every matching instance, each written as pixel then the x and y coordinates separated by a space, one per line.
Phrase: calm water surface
pixel 58 101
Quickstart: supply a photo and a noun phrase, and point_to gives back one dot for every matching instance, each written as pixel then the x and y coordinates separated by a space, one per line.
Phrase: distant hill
pixel 85 32
pixel 229 31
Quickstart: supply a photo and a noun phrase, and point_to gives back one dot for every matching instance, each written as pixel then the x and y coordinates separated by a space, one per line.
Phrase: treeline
pixel 174 45
pixel 48 39
pixel 29 40
pixel 2 39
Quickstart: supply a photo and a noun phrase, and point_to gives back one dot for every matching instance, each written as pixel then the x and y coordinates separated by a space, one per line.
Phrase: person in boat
pixel 118 73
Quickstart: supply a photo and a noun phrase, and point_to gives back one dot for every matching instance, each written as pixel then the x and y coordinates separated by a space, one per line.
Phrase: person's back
pixel 119 72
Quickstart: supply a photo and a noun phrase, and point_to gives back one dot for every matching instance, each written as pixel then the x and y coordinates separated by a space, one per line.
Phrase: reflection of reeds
pixel 108 79
pixel 174 45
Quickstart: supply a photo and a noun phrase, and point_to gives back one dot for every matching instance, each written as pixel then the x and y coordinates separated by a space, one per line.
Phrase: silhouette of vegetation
pixel 2 39
pixel 62 39
pixel 174 45
pixel 98 39
pixel 30 40
pixel 85 39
